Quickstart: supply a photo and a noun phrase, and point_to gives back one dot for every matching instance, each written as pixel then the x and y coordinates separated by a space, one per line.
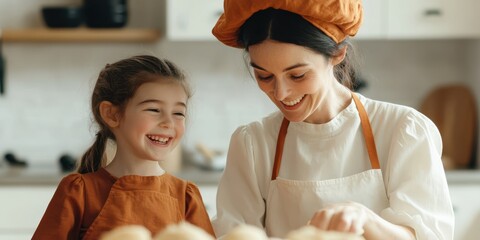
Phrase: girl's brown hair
pixel 117 83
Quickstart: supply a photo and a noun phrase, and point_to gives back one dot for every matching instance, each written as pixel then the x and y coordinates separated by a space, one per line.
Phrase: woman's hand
pixel 355 218
pixel 348 217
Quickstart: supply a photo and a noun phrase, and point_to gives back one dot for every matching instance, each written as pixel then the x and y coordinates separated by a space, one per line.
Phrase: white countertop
pixel 31 175
pixel 49 174
pixel 463 176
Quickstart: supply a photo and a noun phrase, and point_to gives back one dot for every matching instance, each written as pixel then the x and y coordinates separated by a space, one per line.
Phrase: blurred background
pixel 423 54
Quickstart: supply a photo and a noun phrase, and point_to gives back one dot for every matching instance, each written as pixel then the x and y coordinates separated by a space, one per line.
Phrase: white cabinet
pixel 209 196
pixel 466 204
pixel 382 19
pixel 373 25
pixel 432 19
pixel 21 208
pixel 192 19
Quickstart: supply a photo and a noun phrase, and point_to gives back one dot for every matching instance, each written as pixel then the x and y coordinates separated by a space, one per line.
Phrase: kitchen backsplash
pixel 45 109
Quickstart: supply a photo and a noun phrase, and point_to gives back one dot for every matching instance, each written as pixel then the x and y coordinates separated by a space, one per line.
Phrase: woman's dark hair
pixel 288 27
pixel 117 83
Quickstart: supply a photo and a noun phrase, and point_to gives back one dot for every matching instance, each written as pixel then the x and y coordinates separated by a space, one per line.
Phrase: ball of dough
pixel 246 232
pixel 183 231
pixel 303 233
pixel 312 233
pixel 128 232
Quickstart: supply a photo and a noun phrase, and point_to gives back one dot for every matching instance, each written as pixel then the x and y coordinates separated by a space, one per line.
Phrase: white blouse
pixel 409 148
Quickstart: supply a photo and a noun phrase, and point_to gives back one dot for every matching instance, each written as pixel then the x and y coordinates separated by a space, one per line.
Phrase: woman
pixel 329 157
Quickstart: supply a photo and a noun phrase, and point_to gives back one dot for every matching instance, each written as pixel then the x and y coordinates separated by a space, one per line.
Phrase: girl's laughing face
pixel 153 122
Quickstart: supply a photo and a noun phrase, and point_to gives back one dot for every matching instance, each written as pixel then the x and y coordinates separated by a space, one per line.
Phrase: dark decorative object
pixel 63 17
pixel 67 163
pixel 106 13
pixel 12 160
pixel 358 84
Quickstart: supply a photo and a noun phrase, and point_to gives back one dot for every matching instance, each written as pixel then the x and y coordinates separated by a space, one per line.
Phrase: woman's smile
pixel 293 103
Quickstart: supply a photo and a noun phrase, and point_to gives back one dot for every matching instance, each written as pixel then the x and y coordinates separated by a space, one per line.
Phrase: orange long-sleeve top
pixel 86 205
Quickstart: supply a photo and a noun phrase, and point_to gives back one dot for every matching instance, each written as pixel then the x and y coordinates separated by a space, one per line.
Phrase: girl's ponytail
pixel 94 157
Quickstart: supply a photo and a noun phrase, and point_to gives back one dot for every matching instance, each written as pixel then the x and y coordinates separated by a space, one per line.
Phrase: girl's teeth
pixel 291 103
pixel 158 139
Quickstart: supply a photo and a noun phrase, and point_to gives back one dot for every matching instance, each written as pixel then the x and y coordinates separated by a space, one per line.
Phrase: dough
pixel 246 232
pixel 128 232
pixel 183 231
pixel 304 233
pixel 313 233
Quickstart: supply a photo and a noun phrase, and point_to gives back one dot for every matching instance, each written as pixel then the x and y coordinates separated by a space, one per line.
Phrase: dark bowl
pixel 63 17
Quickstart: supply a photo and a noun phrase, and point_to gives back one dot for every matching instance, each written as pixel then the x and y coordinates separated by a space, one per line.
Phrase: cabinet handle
pixel 432 12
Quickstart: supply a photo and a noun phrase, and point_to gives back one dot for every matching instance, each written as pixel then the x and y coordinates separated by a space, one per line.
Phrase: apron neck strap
pixel 367 135
pixel 279 150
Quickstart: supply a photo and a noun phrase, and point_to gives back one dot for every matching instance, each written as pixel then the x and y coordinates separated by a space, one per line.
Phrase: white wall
pixel 403 71
pixel 45 110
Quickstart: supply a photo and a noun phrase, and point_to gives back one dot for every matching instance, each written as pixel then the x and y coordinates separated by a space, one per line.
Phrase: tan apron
pixel 290 204
pixel 126 205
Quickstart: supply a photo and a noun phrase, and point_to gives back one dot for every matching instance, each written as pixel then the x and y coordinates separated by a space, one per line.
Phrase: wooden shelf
pixel 80 35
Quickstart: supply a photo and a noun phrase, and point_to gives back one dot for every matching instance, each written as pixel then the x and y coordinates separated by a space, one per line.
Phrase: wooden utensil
pixel 453 109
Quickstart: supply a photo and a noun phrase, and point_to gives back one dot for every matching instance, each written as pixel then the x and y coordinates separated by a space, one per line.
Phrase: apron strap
pixel 279 150
pixel 367 134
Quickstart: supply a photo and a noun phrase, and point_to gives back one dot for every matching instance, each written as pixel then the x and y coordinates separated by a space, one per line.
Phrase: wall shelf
pixel 80 35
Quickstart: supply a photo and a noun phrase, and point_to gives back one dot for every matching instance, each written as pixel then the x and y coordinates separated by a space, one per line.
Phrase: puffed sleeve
pixel 196 213
pixel 239 199
pixel 63 216
pixel 415 180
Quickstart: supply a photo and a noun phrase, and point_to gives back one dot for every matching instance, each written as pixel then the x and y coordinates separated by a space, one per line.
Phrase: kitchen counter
pixel 42 174
pixel 49 174
pixel 463 176
pixel 200 176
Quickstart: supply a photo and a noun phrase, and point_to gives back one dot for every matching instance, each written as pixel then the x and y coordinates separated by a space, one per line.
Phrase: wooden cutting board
pixel 453 109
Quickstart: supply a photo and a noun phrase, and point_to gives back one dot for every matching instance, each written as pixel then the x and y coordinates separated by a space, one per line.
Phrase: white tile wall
pixel 404 71
pixel 45 110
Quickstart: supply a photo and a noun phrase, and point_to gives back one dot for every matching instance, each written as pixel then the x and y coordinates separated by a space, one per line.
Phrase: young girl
pixel 140 103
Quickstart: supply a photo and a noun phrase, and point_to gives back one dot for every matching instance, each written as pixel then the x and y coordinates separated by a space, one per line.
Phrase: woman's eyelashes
pixel 298 76
pixel 264 77
pixel 269 77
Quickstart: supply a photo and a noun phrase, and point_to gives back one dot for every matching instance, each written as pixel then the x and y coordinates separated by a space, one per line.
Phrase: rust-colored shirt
pixel 92 203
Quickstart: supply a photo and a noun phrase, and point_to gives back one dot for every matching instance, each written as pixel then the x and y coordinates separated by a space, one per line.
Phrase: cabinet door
pixel 192 19
pixel 374 25
pixel 466 204
pixel 432 19
pixel 209 196
pixel 464 15
pixel 21 209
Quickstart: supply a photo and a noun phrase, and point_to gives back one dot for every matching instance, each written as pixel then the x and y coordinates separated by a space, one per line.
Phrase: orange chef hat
pixel 336 18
